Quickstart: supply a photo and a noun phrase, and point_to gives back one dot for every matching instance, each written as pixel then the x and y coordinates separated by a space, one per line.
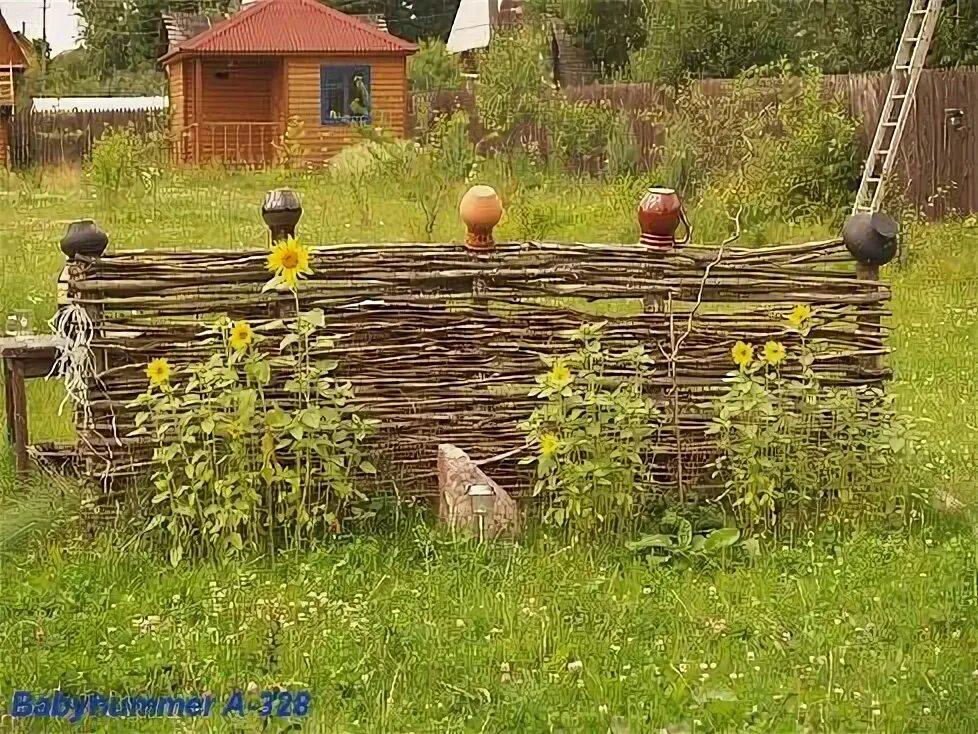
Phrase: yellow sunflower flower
pixel 158 372
pixel 774 353
pixel 560 375
pixel 549 444
pixel 241 335
pixel 288 260
pixel 799 315
pixel 743 354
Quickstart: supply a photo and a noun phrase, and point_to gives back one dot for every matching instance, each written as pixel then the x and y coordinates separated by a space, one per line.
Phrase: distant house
pixel 235 85
pixel 13 64
pixel 476 21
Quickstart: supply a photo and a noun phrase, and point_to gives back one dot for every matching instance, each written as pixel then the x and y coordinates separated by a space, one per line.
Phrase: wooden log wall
pixel 442 346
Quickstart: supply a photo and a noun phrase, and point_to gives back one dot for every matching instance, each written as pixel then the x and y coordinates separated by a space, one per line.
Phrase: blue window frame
pixel 344 94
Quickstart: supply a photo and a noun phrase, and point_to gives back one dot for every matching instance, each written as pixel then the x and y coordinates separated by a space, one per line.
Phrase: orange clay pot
pixel 659 215
pixel 480 210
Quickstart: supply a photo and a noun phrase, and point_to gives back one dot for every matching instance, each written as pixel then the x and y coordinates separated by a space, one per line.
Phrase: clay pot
pixel 84 237
pixel 480 210
pixel 871 238
pixel 281 211
pixel 659 215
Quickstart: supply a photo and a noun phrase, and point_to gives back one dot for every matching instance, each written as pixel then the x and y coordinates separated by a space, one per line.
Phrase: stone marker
pixel 456 473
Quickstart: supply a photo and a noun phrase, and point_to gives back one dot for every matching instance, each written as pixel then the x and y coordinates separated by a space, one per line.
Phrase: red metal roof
pixel 277 27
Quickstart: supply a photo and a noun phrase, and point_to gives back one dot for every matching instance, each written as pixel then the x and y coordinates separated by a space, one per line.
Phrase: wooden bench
pixel 23 358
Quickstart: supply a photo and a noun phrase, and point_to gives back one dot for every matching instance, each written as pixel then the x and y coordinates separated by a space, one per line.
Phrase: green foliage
pixel 683 543
pixel 429 170
pixel 122 159
pixel 609 30
pixel 236 469
pixel 120 36
pixel 702 38
pixel 594 435
pixel 512 82
pixel 576 130
pixel 773 147
pixel 789 444
pixel 432 68
pixel 414 21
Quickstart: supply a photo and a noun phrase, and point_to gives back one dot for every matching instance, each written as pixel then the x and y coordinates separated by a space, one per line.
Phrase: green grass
pixel 874 629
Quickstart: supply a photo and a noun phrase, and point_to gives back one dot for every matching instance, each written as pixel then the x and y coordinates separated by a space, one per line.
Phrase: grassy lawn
pixel 869 628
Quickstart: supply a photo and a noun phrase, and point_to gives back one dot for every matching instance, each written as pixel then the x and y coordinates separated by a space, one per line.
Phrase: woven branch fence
pixel 442 346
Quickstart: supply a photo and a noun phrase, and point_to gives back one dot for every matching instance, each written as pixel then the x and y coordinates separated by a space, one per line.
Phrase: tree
pixel 408 19
pixel 706 38
pixel 126 35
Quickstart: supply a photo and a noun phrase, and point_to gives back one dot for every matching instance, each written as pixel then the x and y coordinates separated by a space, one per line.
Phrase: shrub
pixel 800 158
pixel 120 157
pixel 234 468
pixel 593 436
pixel 512 82
pixel 787 443
pixel 432 68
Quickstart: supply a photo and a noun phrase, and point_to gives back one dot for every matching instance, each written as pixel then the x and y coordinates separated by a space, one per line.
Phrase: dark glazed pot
pixel 281 211
pixel 84 237
pixel 871 238
pixel 659 215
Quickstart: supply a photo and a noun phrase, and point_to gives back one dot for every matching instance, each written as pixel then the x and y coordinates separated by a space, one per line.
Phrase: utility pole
pixel 44 36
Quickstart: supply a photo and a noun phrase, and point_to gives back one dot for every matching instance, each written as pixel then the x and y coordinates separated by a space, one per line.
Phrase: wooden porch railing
pixel 231 143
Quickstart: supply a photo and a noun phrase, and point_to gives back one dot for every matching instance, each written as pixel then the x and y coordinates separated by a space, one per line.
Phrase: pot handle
pixel 689 229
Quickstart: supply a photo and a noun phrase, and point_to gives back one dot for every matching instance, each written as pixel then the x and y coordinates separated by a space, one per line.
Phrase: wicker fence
pixel 442 345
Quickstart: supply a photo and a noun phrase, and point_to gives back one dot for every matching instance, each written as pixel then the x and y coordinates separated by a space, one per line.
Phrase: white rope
pixel 75 365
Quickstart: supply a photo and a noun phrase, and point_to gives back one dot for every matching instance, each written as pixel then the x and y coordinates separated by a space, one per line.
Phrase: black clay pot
pixel 871 238
pixel 281 211
pixel 84 238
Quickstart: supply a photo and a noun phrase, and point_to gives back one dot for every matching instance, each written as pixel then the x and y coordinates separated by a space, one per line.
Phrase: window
pixel 344 94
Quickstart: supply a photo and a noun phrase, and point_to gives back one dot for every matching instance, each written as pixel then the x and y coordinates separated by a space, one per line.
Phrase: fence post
pixel 281 209
pixel 86 240
pixel 871 239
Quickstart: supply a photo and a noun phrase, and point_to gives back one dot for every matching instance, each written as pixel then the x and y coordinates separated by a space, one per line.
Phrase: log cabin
pixel 284 78
pixel 13 64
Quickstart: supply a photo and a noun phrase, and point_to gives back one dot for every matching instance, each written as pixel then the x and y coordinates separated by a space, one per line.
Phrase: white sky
pixel 62 21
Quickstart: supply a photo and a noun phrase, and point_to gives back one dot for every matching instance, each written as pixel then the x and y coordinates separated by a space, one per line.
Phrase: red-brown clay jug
pixel 659 215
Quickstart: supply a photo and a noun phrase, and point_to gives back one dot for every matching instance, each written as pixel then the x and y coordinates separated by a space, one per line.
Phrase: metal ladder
pixel 904 75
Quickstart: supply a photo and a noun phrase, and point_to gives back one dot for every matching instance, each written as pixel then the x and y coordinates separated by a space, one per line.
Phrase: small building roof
pixel 283 27
pixel 11 52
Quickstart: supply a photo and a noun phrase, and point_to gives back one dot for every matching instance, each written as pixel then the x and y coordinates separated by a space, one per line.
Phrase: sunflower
pixel 549 444
pixel 158 372
pixel 560 375
pixel 799 315
pixel 288 260
pixel 743 354
pixel 241 335
pixel 774 353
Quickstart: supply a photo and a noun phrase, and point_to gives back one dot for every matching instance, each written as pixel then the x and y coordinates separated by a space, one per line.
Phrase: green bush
pixel 432 68
pixel 122 158
pixel 593 434
pixel 794 158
